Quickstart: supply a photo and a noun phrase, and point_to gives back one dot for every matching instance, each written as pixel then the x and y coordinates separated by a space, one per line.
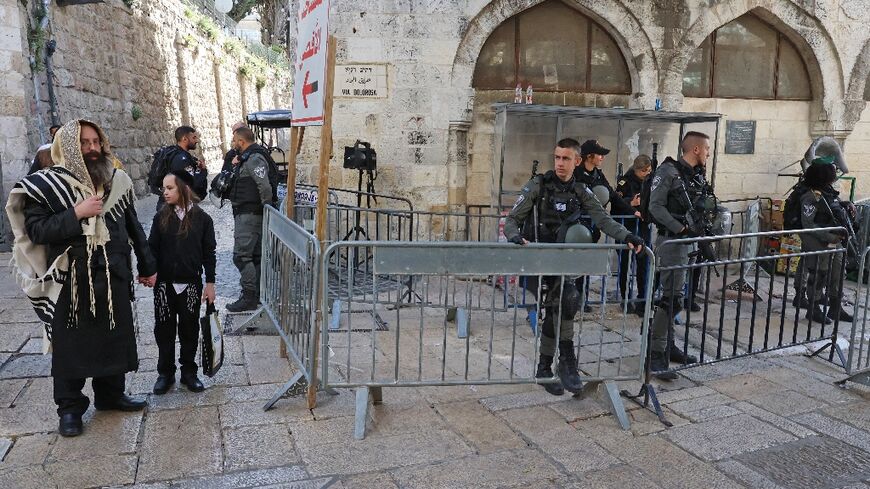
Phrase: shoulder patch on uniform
pixel 519 201
pixel 655 182
pixel 809 210
pixel 260 171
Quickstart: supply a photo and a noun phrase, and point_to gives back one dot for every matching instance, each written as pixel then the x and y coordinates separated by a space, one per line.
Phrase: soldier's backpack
pixel 791 213
pixel 160 167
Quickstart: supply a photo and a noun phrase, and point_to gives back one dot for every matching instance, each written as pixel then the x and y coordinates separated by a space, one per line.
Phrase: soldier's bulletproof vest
pixel 245 196
pixel 558 200
pixel 678 205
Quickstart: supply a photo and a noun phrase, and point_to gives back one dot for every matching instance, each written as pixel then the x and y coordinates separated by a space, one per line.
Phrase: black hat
pixel 184 176
pixel 591 147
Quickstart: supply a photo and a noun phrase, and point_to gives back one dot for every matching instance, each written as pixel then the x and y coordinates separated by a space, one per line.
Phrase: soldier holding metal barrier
pixel 673 195
pixel 548 211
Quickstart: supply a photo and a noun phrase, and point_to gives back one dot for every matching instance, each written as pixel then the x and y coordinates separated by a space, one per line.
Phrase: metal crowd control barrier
pixel 415 350
pixel 727 328
pixel 857 362
pixel 289 277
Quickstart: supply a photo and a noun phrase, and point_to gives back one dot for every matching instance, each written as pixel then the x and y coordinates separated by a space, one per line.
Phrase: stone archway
pixel 615 19
pixel 805 31
pixel 619 22
pixel 854 100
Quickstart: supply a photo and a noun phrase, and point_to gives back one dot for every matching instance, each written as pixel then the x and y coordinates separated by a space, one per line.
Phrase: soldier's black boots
pixel 248 301
pixel 836 312
pixel 568 367
pixel 676 354
pixel 679 356
pixel 545 371
pixel 817 315
pixel 660 367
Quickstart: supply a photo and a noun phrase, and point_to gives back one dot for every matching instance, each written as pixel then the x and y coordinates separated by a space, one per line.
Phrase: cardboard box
pixel 788 245
pixel 776 218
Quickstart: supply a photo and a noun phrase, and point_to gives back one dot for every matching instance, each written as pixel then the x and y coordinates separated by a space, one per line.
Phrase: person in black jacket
pixel 180 159
pixel 628 189
pixel 589 172
pixel 183 241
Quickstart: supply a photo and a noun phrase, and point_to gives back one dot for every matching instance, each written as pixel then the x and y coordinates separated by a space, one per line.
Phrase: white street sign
pixel 310 83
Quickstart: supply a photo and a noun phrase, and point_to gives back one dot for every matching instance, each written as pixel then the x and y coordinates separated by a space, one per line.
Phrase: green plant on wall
pixel 245 71
pixel 232 46
pixel 208 28
pixel 261 82
pixel 136 112
pixel 37 37
pixel 190 41
pixel 131 3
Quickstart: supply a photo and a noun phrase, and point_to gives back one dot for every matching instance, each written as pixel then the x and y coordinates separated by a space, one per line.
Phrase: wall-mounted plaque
pixel 740 137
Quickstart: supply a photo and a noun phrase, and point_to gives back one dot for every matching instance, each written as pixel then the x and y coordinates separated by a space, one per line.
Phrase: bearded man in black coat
pixel 75 226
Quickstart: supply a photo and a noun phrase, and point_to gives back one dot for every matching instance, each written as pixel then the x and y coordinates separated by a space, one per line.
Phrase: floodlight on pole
pixel 223 6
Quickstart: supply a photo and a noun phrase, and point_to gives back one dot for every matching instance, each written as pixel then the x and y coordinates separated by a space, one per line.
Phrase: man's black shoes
pixel 660 366
pixel 70 425
pixel 837 312
pixel 163 384
pixel 816 315
pixel 247 302
pixel 545 371
pixel 122 403
pixel 192 383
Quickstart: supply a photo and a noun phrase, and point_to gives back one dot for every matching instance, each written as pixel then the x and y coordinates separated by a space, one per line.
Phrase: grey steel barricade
pixel 416 350
pixel 289 277
pixel 761 317
pixel 857 362
pixel 346 223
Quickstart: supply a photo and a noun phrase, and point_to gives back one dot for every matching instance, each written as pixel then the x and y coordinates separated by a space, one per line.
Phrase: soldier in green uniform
pixel 821 207
pixel 671 194
pixel 250 193
pixel 558 197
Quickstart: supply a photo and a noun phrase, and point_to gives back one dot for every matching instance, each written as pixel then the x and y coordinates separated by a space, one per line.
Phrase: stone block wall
pixel 111 58
pixel 434 133
pixel 14 102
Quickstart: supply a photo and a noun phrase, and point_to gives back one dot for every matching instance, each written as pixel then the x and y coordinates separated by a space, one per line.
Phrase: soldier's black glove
pixel 634 240
pixel 518 239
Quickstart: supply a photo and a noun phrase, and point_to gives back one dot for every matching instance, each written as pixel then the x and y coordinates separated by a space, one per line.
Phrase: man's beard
pixel 98 168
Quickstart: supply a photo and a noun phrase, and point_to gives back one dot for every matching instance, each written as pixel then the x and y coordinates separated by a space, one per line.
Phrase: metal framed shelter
pixel 525 133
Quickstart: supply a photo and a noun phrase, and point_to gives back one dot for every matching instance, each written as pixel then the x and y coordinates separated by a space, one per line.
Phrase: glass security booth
pixel 528 133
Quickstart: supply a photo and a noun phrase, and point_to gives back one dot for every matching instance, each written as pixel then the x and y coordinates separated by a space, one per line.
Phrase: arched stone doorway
pixel 470 147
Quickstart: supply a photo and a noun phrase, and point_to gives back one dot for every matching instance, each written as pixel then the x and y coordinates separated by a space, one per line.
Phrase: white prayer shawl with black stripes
pixel 58 189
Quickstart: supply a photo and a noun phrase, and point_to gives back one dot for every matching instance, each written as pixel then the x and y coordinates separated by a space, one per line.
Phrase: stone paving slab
pixel 109 433
pixel 194 432
pixel 382 453
pixel 551 434
pixel 817 462
pixel 718 439
pixel 9 391
pixel 485 431
pixel 26 366
pixel 243 447
pixel 515 467
pixel 96 471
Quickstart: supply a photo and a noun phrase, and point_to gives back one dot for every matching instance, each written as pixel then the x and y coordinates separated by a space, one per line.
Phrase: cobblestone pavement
pixel 768 421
